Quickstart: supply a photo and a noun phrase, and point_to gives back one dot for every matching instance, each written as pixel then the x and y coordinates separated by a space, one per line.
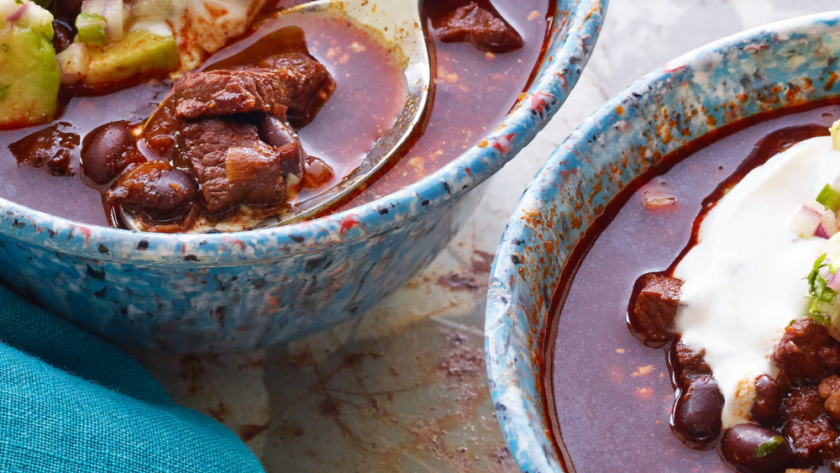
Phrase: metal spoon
pixel 400 23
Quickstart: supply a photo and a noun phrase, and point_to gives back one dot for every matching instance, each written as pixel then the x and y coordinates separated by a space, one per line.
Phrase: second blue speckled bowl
pixel 223 292
pixel 765 69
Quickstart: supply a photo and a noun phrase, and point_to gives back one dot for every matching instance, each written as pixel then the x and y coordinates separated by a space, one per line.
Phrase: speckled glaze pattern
pixel 783 64
pixel 223 292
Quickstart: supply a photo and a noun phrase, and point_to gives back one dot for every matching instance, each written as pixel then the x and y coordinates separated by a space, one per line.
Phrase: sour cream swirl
pixel 743 281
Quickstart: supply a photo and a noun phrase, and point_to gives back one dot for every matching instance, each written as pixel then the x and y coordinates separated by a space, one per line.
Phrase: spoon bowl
pixel 399 24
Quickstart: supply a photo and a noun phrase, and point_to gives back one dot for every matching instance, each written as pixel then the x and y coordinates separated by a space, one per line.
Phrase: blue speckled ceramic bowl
pixel 765 69
pixel 224 292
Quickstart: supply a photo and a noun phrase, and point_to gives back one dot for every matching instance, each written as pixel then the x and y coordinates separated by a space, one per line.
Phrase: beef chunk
pixel 106 152
pixel 156 190
pixel 234 166
pixel 687 364
pixel 829 391
pixel 813 440
pixel 806 353
pixel 697 416
pixel 803 404
pixel 217 93
pixel 294 83
pixel 60 164
pixel 809 429
pixel 766 409
pixel 483 28
pixel 50 149
pixel 652 315
pixel 311 85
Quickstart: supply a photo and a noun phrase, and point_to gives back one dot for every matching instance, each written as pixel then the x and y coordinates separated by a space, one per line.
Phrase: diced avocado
pixel 91 28
pixel 29 73
pixel 102 21
pixel 829 197
pixel 142 51
pixel 33 17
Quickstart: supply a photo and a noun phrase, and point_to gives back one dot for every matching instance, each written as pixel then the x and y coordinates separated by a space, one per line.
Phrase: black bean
pixel 275 132
pixel 156 190
pixel 767 408
pixel 740 448
pixel 107 151
pixel 697 416
pixel 66 9
pixel 63 36
pixel 171 195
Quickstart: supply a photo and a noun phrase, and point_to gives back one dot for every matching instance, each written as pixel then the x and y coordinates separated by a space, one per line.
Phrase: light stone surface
pixel 404 387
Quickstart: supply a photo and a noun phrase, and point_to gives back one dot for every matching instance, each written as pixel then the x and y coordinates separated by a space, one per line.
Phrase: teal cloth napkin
pixel 70 402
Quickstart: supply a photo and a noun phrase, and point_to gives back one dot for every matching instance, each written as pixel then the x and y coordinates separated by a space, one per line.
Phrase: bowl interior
pixel 575 30
pixel 761 70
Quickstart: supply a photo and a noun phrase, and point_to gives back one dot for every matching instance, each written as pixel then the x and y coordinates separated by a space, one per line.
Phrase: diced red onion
pixel 806 221
pixel 814 205
pixel 114 14
pixel 73 63
pixel 821 232
pixel 836 184
pixel 18 13
pixel 829 223
pixel 244 163
pixel 825 271
pixel 834 282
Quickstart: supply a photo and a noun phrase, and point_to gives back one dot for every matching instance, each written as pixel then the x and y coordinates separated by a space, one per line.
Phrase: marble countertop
pixel 403 388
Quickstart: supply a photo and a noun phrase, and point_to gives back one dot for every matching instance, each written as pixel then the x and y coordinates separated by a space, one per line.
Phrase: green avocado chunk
pixel 142 52
pixel 29 73
pixel 91 28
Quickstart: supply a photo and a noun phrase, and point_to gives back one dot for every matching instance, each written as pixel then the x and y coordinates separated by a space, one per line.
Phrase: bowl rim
pixel 560 70
pixel 526 437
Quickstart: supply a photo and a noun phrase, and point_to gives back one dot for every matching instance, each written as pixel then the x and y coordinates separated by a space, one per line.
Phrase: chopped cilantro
pixel 4 92
pixel 817 285
pixel 769 447
pixel 818 289
pixel 5 47
pixel 19 2
pixel 817 315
